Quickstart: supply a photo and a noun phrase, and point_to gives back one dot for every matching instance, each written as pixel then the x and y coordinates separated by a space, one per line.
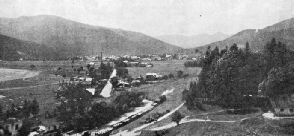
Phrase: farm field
pixel 11 74
pixel 153 91
pixel 163 68
pixel 39 85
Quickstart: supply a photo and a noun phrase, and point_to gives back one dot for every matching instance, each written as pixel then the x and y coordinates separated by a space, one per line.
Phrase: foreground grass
pixel 253 126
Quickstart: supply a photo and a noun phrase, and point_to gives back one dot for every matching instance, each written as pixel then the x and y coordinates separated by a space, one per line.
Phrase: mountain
pixel 192 41
pixel 69 38
pixel 282 31
pixel 14 49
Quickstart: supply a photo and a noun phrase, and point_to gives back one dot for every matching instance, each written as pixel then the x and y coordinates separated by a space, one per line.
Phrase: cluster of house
pixel 137 64
pixel 150 78
pixel 150 57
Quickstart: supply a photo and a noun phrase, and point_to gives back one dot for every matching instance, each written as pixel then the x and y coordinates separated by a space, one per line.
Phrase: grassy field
pixel 39 87
pixel 254 126
pixel 163 68
pixel 155 90
pixel 43 94
pixel 200 129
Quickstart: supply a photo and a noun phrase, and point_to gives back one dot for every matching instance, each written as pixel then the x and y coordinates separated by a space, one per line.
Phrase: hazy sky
pixel 160 17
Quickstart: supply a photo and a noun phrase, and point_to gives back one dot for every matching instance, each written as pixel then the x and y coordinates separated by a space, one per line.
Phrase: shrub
pixel 180 73
pixel 32 66
pixel 171 75
pixel 177 117
pixel 165 77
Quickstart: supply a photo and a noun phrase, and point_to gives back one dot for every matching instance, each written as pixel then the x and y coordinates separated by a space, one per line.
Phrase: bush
pixel 185 75
pixel 127 100
pixel 59 68
pixel 165 77
pixel 171 75
pixel 194 63
pixel 177 117
pixel 180 73
pixel 32 66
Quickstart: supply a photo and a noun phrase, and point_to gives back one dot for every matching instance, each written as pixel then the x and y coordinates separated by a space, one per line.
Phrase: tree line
pixel 25 111
pixel 78 112
pixel 232 73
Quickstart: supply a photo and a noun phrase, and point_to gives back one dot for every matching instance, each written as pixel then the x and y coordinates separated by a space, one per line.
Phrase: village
pixel 146 68
pixel 101 83
pixel 127 83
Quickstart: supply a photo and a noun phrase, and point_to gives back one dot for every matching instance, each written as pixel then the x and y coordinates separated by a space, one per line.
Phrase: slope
pixel 14 49
pixel 282 31
pixel 73 38
pixel 192 41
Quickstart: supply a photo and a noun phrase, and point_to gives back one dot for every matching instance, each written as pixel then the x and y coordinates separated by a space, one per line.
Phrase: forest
pixel 232 73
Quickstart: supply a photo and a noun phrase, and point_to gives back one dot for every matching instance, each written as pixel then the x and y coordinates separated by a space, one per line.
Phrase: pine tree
pixel 247 48
pixel 1 112
pixel 35 107
pixel 234 47
pixel 12 110
pixel 26 108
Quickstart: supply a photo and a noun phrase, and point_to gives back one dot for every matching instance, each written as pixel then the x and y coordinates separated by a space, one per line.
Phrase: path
pixel 108 87
pixel 185 120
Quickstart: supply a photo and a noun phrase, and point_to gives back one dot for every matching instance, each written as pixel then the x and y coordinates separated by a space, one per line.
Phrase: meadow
pixel 40 87
pixel 153 91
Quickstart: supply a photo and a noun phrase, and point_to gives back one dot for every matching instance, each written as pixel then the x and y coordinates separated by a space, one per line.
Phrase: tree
pixel 4 131
pixel 32 66
pixel 222 52
pixel 122 72
pixel 25 128
pixel 234 47
pixel 88 66
pixel 215 52
pixel 26 109
pixel 185 94
pixel 1 112
pixel 74 113
pixel 276 55
pixel 208 51
pixel 35 108
pixel 177 117
pixel 280 81
pixel 101 113
pixel 171 75
pixel 180 73
pixel 247 48
pixel 12 110
pixel 114 81
pixel 196 50
pixel 86 134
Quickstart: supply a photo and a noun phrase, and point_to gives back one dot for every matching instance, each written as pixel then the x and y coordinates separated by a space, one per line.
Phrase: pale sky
pixel 160 17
